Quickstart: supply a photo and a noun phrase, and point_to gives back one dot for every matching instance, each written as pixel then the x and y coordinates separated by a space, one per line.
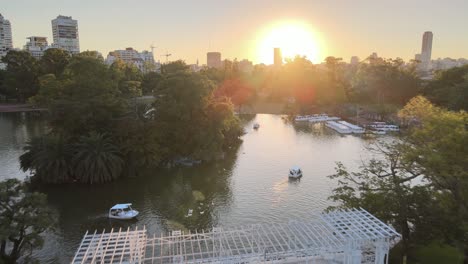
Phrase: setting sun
pixel 293 39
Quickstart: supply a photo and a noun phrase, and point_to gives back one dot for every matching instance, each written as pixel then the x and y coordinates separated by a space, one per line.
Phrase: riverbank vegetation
pixel 99 131
pixel 418 183
pixel 24 217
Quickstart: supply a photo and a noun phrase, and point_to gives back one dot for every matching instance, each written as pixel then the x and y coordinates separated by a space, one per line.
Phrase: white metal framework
pixel 352 236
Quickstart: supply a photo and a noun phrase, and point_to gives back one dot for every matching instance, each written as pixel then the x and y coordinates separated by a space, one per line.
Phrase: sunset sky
pixel 188 29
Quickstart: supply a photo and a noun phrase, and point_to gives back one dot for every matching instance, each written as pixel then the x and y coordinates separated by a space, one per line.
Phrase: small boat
pixel 123 212
pixel 295 172
pixel 256 125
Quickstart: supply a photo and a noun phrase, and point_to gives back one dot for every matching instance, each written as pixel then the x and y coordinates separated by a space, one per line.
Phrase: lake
pixel 249 186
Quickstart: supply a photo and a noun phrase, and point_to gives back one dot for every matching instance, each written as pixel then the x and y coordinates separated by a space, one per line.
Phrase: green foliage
pixel 436 253
pixel 433 208
pixel 21 75
pixel 449 88
pixel 90 99
pixel 54 61
pixel 97 159
pixel 24 216
pixel 94 100
pixel 384 81
pixel 49 158
pixel 150 82
pixel 200 125
pixel 51 89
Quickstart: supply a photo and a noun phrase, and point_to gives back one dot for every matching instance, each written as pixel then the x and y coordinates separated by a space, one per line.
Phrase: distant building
pixel 278 58
pixel 213 59
pixel 354 60
pixel 417 57
pixel 65 33
pixel 36 46
pixel 447 63
pixel 426 49
pixel 245 66
pixel 6 40
pixel 144 60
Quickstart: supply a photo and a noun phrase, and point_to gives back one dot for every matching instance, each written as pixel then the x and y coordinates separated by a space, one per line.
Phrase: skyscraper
pixel 278 60
pixel 213 59
pixel 426 49
pixel 65 33
pixel 6 42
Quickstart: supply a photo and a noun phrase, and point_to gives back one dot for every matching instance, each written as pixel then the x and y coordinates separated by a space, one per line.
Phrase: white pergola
pixel 350 237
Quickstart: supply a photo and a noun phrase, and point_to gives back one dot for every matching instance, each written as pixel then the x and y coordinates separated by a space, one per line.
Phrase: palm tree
pixel 97 159
pixel 48 158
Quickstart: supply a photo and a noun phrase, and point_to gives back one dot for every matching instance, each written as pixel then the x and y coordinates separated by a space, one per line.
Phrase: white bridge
pixel 350 237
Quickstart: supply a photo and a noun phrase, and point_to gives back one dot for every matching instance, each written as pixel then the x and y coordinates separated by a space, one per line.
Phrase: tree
pixel 384 82
pixel 50 90
pixel 49 158
pixel 54 61
pixel 92 54
pixel 97 159
pixel 432 209
pixel 438 144
pixel 24 216
pixel 236 89
pixel 128 78
pixel 21 75
pixel 150 82
pixel 90 101
pixel 383 187
pixel 188 98
pixel 449 88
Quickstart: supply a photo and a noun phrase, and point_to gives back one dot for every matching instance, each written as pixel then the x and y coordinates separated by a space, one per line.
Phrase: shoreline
pixel 18 108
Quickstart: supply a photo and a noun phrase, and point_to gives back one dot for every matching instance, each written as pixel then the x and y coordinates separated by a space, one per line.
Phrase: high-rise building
pixel 6 41
pixel 213 60
pixel 426 49
pixel 65 33
pixel 36 46
pixel 278 59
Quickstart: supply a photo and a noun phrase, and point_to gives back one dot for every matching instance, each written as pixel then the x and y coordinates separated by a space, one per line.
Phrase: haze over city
pixel 249 29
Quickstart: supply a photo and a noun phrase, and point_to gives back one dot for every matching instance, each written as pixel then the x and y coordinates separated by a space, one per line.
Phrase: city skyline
pixel 342 29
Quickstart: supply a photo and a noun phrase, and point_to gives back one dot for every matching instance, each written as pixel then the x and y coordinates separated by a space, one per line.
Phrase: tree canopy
pixel 418 183
pixel 24 216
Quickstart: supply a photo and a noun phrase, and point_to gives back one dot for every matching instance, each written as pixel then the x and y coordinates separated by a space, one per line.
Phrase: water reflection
pixel 15 130
pixel 162 196
pixel 249 186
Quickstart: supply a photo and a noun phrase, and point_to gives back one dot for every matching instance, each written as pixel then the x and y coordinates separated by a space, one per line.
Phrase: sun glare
pixel 293 39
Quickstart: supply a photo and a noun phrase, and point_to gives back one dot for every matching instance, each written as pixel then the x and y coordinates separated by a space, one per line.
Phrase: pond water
pixel 249 186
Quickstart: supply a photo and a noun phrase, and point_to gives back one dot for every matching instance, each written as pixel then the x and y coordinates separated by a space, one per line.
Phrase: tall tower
pixel 65 33
pixel 426 49
pixel 213 59
pixel 6 42
pixel 278 60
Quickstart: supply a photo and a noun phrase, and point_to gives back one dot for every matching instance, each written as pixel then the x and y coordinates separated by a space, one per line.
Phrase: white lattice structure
pixel 349 237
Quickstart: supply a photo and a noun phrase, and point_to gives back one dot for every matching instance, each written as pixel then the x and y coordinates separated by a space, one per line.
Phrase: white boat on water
pixel 123 212
pixel 295 172
pixel 256 125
